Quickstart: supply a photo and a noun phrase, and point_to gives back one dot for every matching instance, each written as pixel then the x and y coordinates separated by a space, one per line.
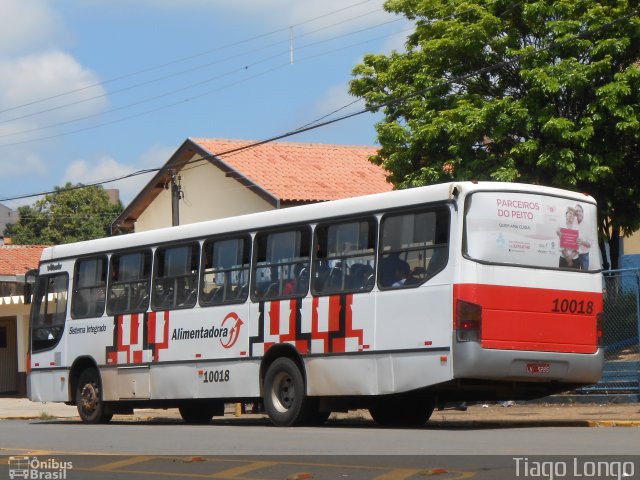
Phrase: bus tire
pixel 197 414
pixel 402 410
pixel 285 400
pixel 91 407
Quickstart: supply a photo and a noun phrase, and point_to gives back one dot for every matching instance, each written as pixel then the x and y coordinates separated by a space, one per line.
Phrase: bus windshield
pixel 526 229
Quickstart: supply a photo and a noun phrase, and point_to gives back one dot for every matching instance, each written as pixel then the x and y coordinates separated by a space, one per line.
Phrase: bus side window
pixel 281 268
pixel 175 277
pixel 89 288
pixel 49 311
pixel 344 259
pixel 414 247
pixel 130 274
pixel 225 271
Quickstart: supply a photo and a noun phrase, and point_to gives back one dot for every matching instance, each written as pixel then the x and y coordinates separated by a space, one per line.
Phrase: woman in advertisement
pixel 569 241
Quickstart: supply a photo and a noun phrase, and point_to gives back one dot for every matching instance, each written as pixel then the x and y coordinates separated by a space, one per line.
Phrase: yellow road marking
pixel 123 463
pixel 461 475
pixel 251 467
pixel 398 474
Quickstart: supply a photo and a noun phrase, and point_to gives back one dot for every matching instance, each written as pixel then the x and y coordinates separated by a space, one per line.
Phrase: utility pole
pixel 176 195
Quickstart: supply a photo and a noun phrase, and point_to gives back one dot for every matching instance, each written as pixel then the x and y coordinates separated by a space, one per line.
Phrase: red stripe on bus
pixel 135 325
pixel 519 318
pixel 274 318
pixel 151 328
pixel 334 313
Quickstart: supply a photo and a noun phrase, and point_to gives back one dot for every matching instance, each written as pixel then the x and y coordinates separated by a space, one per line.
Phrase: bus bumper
pixel 471 361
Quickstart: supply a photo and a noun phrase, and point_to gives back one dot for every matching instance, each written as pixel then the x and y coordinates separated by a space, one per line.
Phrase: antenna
pixel 291 45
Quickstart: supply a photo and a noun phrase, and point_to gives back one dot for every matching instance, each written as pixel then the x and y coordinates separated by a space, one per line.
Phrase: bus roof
pixel 305 213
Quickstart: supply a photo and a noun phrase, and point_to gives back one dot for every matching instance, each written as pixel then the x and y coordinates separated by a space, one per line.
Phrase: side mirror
pixel 29 281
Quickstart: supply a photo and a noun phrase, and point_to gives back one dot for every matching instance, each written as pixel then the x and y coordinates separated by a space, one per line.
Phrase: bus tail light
pixel 468 321
pixel 599 328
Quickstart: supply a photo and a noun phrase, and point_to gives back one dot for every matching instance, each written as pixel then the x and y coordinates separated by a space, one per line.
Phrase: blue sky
pixel 94 89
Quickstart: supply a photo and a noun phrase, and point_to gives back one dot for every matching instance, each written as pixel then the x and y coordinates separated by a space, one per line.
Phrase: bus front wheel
pixel 285 399
pixel 91 407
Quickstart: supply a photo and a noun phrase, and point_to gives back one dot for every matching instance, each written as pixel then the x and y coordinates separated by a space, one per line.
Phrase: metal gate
pixel 621 334
pixel 8 355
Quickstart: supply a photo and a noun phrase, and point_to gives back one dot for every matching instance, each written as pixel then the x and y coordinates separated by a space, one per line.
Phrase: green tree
pixel 70 214
pixel 535 91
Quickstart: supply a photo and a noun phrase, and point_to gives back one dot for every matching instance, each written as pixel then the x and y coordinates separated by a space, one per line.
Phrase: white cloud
pixel 43 75
pixel 34 67
pixel 28 25
pixel 334 98
pixel 21 164
pixel 155 156
pixel 106 168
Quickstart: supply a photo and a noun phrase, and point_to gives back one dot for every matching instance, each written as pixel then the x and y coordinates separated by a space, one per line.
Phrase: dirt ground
pixel 544 412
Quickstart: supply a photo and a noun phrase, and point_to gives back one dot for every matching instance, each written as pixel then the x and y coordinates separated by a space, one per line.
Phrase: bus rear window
pixel 531 230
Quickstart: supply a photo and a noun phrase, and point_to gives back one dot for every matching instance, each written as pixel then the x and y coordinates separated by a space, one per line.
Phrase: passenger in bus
pixel 361 276
pixel 402 275
pixel 393 271
pixel 297 283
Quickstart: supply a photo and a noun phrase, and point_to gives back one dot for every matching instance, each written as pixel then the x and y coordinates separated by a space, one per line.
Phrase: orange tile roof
pixel 303 172
pixel 17 259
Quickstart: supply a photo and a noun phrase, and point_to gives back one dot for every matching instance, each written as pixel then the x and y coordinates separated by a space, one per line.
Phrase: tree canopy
pixel 72 213
pixel 534 91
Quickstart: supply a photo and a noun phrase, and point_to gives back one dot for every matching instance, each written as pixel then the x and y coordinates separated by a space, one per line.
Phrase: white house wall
pixel 208 195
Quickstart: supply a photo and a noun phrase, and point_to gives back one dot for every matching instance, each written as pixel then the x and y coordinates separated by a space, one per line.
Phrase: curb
pixel 614 423
pixel 430 424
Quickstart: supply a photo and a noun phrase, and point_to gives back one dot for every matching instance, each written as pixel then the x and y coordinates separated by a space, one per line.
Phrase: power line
pixel 183 59
pixel 234 56
pixel 370 108
pixel 178 102
pixel 174 91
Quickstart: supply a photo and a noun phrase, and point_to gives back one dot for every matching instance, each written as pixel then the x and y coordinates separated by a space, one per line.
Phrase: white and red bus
pixel 392 302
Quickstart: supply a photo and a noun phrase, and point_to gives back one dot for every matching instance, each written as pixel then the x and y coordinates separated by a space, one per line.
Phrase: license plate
pixel 538 368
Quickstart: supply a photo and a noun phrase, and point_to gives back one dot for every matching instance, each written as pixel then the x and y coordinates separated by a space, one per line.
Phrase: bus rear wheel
pixel 285 400
pixel 402 410
pixel 91 407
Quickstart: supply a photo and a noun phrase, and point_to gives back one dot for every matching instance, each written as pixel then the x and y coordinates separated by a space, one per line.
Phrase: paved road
pixel 242 449
pixel 301 468
pixel 258 437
